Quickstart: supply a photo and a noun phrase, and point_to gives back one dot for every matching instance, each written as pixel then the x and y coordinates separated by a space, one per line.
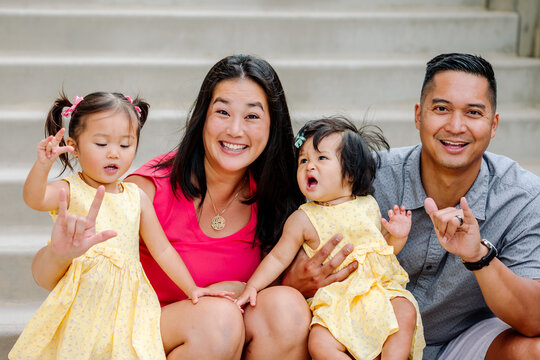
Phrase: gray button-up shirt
pixel 505 199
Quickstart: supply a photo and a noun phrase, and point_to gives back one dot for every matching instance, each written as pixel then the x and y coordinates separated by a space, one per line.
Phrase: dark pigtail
pixel 53 124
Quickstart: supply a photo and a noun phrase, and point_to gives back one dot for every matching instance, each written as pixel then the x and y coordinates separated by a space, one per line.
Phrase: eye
pixel 253 116
pixel 101 144
pixel 440 108
pixel 322 157
pixel 222 112
pixel 125 146
pixel 302 161
pixel 475 113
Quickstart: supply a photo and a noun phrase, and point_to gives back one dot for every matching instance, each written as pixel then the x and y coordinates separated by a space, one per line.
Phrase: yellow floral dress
pixel 357 311
pixel 103 307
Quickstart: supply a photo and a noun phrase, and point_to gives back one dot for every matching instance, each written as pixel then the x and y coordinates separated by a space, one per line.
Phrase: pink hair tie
pixel 138 109
pixel 72 108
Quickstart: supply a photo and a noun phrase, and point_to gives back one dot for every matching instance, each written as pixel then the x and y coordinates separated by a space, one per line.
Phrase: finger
pixel 323 253
pixel 409 213
pixel 62 204
pixel 59 135
pixel 342 274
pixel 96 204
pixel 396 209
pixel 253 300
pixel 390 213
pixel 330 266
pixel 468 216
pixel 71 222
pixel 101 237
pixel 403 211
pixel 430 206
pixel 64 149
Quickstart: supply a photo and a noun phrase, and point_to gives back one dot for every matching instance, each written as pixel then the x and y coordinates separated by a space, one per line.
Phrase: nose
pixel 112 152
pixel 310 165
pixel 235 126
pixel 456 123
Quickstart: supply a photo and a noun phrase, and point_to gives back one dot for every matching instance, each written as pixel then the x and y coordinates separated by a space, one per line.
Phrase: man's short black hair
pixel 467 63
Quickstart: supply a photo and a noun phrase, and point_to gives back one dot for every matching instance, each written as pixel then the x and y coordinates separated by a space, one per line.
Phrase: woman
pixel 234 161
pixel 222 199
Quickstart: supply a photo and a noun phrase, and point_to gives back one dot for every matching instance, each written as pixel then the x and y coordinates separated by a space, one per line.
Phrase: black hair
pixel 277 194
pixel 357 151
pixel 93 103
pixel 467 63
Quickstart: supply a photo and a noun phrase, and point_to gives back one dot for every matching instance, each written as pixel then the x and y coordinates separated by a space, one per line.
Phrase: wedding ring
pixel 460 220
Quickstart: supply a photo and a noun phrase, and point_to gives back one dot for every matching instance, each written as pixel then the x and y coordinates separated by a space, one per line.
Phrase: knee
pixel 534 348
pixel 222 330
pixel 281 311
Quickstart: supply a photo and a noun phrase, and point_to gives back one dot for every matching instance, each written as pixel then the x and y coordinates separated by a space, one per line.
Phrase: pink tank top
pixel 209 260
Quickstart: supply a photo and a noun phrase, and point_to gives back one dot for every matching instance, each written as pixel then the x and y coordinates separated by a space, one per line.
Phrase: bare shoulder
pixel 299 222
pixel 144 183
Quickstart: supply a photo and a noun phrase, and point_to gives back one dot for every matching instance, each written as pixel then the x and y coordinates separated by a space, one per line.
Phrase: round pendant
pixel 218 222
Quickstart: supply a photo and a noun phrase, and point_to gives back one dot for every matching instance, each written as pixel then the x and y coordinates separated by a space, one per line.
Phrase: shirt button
pixel 429 267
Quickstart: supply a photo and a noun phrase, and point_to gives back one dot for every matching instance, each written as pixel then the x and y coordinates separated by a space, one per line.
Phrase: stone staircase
pixel 360 58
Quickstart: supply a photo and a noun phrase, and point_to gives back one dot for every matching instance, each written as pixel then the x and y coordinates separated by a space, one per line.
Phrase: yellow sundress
pixel 103 307
pixel 357 311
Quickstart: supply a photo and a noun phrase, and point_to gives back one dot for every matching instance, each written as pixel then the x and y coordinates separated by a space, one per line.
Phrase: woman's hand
pixel 73 235
pixel 307 275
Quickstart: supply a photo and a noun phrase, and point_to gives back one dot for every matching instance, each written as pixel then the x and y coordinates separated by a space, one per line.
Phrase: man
pixel 479 299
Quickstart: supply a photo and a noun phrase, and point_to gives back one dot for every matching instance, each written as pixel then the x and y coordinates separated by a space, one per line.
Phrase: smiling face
pixel 319 173
pixel 106 148
pixel 237 126
pixel 456 121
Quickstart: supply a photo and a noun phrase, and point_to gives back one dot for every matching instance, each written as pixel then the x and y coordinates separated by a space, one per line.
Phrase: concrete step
pixel 286 33
pixel 309 84
pixel 13 319
pixel 246 4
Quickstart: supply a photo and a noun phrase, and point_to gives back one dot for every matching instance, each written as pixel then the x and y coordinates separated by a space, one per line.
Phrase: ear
pixel 417 114
pixel 71 142
pixel 494 125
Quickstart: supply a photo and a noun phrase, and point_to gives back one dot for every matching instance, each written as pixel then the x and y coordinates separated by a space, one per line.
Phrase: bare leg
pixel 512 345
pixel 278 326
pixel 398 345
pixel 211 329
pixel 324 346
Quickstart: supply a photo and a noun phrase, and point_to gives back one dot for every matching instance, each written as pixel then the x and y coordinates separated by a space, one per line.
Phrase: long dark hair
pixel 93 103
pixel 277 194
pixel 357 155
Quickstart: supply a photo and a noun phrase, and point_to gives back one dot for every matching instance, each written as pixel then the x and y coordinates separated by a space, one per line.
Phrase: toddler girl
pixel 103 307
pixel 360 316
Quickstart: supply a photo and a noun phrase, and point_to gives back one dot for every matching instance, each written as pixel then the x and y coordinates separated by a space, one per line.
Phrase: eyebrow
pixel 438 100
pixel 255 104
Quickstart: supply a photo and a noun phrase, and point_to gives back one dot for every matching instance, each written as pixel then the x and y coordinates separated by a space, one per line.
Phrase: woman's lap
pixel 214 328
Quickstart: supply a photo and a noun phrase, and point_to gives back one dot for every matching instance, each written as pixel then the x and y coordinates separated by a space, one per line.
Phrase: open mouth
pixel 454 145
pixel 311 182
pixel 111 168
pixel 232 147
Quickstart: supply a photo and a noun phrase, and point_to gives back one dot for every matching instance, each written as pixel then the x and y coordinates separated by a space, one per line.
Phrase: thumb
pixel 430 206
pixel 101 237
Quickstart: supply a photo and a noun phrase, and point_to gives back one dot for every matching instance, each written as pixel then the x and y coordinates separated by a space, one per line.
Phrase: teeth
pixel 232 146
pixel 453 143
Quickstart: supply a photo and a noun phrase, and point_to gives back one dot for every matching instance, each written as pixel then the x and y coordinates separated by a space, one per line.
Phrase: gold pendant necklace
pixel 218 221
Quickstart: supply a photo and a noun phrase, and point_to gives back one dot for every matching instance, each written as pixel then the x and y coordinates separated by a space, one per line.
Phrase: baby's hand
pixel 198 292
pixel 249 295
pixel 48 149
pixel 398 227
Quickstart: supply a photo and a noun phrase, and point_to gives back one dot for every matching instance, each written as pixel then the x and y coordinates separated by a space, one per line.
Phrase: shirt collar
pixel 414 194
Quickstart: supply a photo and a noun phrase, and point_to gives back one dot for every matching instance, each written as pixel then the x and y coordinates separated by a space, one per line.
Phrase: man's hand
pixel 462 240
pixel 308 275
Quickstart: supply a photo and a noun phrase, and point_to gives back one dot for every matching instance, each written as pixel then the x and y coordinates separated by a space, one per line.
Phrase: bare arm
pixel 166 256
pixel 37 194
pixel 71 237
pixel 500 286
pixel 278 259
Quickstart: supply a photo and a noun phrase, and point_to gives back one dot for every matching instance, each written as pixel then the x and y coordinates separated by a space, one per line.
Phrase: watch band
pixel 477 265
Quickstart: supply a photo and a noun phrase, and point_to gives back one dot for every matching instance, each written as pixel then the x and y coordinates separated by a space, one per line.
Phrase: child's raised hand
pixel 198 292
pixel 73 235
pixel 398 227
pixel 49 149
pixel 249 295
